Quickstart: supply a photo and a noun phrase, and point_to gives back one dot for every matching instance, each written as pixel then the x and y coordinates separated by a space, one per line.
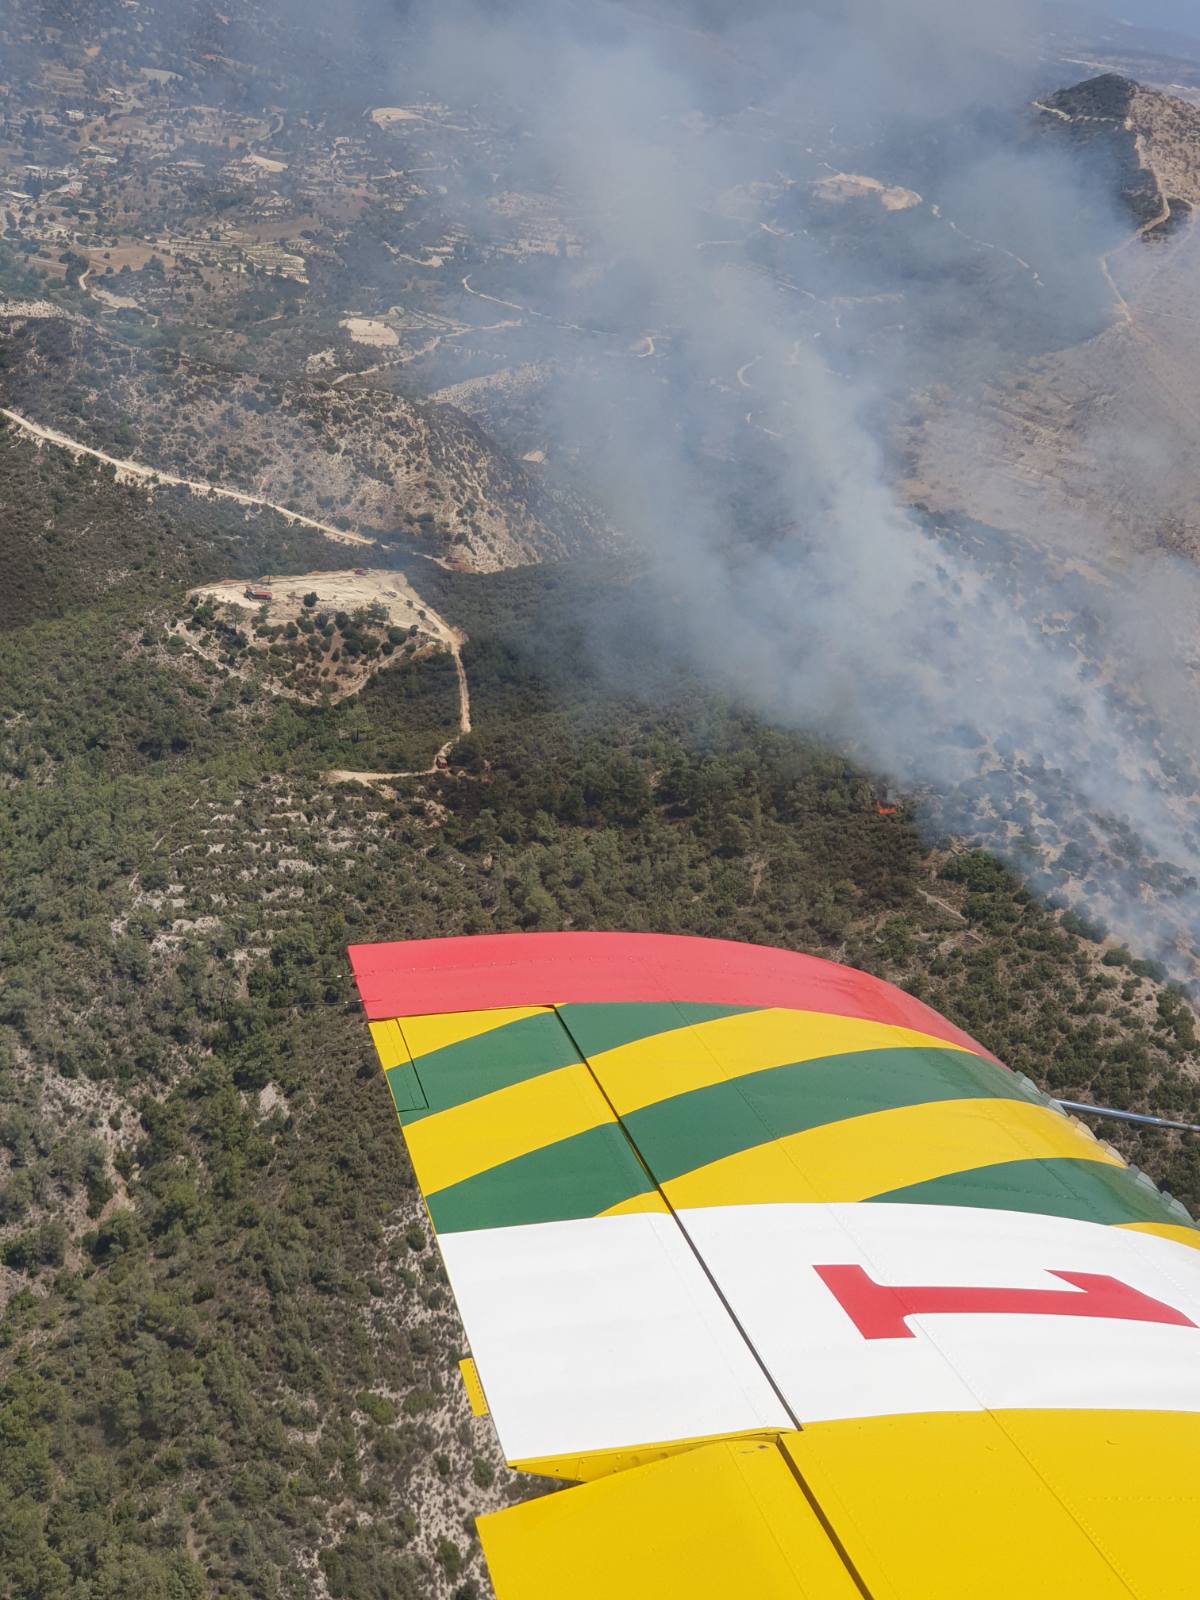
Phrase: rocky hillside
pixel 1088 447
pixel 364 460
pixel 1153 140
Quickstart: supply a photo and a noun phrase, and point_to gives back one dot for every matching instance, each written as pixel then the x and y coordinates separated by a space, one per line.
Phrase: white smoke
pixel 661 131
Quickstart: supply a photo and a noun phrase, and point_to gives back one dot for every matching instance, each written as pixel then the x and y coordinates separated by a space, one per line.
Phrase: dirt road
pixel 133 471
pixel 1063 116
pixel 528 311
pixel 1123 307
pixel 345 775
pixel 479 295
pixel 1106 260
pixel 742 371
pixel 464 688
pixel 416 354
pixel 386 588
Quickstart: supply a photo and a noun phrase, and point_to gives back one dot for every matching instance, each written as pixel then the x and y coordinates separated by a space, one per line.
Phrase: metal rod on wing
pixel 1128 1116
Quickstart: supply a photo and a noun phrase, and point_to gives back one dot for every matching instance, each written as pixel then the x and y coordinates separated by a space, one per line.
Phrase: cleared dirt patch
pixel 845 186
pixel 370 330
pixel 319 634
pixel 385 116
pixel 336 591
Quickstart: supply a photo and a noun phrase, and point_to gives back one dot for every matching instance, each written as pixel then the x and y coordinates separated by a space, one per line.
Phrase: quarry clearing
pixel 386 598
pixel 843 186
pixel 384 592
pixel 370 330
pixel 337 591
pixel 385 116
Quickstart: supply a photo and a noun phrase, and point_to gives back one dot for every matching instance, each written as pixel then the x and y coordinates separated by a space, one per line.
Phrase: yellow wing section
pixel 1015 1506
pixel 805 1295
pixel 726 1519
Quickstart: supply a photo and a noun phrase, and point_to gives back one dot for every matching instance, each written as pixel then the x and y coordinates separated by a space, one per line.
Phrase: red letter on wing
pixel 879 1310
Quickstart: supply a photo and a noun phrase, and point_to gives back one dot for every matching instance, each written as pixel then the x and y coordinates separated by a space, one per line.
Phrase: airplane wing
pixel 808 1294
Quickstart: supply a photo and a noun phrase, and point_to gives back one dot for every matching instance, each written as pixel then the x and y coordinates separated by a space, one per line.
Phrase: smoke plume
pixel 790 224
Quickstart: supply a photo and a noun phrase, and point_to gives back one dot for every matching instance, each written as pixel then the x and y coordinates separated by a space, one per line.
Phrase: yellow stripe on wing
pixel 480 1134
pixel 717 1522
pixel 681 1060
pixel 871 1155
pixel 588 1465
pixel 1175 1231
pixel 476 1398
pixel 426 1034
pixel 636 1204
pixel 389 1044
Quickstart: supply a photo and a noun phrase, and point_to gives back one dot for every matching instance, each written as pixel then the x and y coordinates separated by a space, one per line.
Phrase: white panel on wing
pixel 602 1333
pixel 765 1261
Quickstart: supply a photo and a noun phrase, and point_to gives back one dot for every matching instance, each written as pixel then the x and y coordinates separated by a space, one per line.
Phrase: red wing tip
pixel 484 971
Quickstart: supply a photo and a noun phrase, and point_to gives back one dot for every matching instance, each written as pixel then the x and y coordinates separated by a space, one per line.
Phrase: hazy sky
pixel 1183 15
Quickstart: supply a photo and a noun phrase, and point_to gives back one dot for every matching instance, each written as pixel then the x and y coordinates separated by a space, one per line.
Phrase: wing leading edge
pixel 671 1177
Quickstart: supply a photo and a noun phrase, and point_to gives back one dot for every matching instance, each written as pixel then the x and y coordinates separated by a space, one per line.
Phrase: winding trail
pixel 742 371
pixel 1164 215
pixel 454 638
pixel 529 311
pixel 953 911
pixel 134 471
pixel 479 295
pixel 407 356
pixel 440 761
pixel 1139 144
pixel 464 688
pixel 986 244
